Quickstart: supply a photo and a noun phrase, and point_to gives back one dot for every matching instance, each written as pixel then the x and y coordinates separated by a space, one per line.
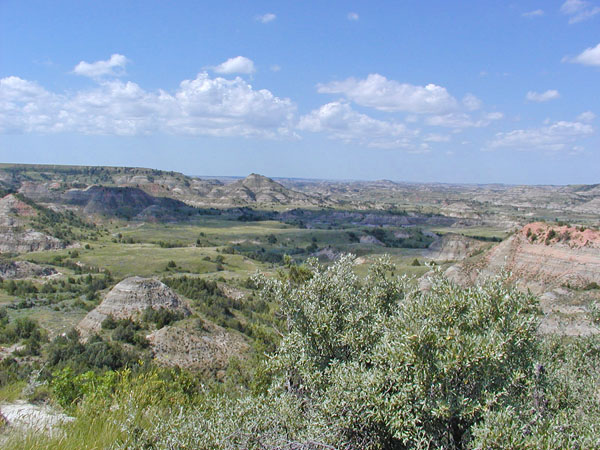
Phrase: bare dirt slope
pixel 454 247
pixel 208 349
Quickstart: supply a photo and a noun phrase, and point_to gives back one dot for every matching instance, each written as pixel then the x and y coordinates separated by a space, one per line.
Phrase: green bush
pixel 161 317
pixel 389 364
pixel 560 408
pixel 94 354
pixel 22 329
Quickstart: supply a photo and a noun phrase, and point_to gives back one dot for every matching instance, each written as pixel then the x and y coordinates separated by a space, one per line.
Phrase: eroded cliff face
pixel 129 299
pixel 126 202
pixel 544 256
pixel 16 235
pixel 559 264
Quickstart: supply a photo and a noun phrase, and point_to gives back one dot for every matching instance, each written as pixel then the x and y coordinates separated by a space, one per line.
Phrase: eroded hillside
pixel 560 264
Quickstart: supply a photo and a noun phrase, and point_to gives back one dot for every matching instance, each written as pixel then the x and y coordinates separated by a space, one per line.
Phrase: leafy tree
pixel 390 366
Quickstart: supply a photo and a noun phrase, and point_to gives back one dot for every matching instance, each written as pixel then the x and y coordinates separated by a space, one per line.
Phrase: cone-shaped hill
pixel 129 299
pixel 260 189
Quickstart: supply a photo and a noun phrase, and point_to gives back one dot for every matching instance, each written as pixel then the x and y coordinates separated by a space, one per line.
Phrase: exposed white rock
pixel 39 418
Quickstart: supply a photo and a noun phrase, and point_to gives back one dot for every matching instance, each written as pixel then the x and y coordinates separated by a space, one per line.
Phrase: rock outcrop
pixel 454 247
pixel 16 236
pixel 368 239
pixel 27 417
pixel 27 241
pixel 557 263
pixel 542 256
pixel 129 299
pixel 24 269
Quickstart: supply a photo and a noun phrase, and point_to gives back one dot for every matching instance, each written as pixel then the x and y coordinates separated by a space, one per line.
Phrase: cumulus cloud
pixel 589 57
pixel 239 64
pixel 202 106
pixel 114 66
pixel 376 91
pixel 340 121
pixel 471 102
pixel 579 10
pixel 353 16
pixel 555 136
pixel 266 18
pixel 534 13
pixel 550 94
pixel 27 107
pixel 586 116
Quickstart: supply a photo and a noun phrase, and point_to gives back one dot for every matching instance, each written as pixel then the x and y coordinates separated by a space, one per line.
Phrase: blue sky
pixel 468 91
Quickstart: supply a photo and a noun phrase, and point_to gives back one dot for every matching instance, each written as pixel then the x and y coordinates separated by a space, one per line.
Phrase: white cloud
pixel 340 121
pixel 588 57
pixel 494 115
pixel 239 64
pixel 471 102
pixel 275 68
pixel 460 120
pixel 114 66
pixel 586 116
pixel 437 138
pixel 550 94
pixel 27 107
pixel 555 136
pixel 455 120
pixel 376 91
pixel 266 18
pixel 206 100
pixel 579 10
pixel 534 13
pixel 353 16
pixel 202 106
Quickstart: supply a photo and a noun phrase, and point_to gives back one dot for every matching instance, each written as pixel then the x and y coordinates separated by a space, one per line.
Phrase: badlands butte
pixel 160 266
